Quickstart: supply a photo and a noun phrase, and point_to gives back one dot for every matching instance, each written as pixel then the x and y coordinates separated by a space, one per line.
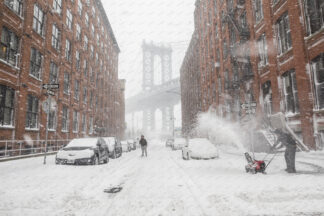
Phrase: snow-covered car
pixel 125 146
pixel 83 151
pixel 114 147
pixel 178 143
pixel 132 143
pixel 199 148
pixel 168 142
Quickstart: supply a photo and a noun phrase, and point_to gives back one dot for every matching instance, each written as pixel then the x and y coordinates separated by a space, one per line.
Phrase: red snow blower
pixel 255 166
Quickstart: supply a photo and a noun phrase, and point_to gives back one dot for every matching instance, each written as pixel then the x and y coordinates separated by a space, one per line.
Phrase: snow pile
pixel 202 148
pixel 220 131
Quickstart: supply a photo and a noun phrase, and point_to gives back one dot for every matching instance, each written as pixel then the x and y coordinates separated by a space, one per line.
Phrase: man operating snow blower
pixel 284 139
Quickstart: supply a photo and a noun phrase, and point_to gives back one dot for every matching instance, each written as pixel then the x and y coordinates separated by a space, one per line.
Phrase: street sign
pixel 50 92
pixel 51 86
pixel 45 106
pixel 248 106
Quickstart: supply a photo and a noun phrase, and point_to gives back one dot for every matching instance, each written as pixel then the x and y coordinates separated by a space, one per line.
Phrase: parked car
pixel 178 143
pixel 199 148
pixel 125 146
pixel 169 142
pixel 83 151
pixel 114 147
pixel 132 143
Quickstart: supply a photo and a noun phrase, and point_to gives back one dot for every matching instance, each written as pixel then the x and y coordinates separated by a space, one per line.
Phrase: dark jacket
pixel 285 140
pixel 143 142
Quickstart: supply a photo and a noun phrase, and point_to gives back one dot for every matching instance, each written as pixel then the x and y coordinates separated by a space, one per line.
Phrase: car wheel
pixel 188 158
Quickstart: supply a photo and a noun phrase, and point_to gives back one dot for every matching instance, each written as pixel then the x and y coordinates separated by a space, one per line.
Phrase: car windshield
pixel 76 148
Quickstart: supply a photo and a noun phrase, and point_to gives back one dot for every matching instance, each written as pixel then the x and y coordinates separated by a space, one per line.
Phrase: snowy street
pixel 163 184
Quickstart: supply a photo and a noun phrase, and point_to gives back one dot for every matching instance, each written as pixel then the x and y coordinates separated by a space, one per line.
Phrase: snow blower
pixel 255 166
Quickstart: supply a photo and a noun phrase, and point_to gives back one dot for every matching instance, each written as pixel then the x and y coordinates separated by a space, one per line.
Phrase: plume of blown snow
pixel 220 131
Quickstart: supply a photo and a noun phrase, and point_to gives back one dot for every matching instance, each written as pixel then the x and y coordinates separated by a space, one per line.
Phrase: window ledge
pixel 52 130
pixel 291 115
pixel 38 79
pixel 20 16
pixel 14 67
pixel 318 110
pixel 32 129
pixel 7 127
pixel 64 131
pixel 284 53
pixel 314 34
pixel 75 132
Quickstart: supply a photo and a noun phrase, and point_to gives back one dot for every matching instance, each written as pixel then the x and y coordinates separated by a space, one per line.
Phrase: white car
pixel 199 148
pixel 125 146
pixel 114 147
pixel 83 151
pixel 178 143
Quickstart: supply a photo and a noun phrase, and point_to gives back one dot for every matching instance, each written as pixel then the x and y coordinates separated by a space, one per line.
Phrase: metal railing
pixel 14 148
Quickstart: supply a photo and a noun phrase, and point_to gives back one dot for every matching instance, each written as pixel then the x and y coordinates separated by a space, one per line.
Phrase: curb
pixel 25 156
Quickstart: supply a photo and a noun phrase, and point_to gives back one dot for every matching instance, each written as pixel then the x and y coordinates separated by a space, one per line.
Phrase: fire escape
pixel 240 54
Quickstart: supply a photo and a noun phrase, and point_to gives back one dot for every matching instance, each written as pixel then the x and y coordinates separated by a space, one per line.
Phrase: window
pixel 77 58
pixel 91 74
pixel 68 50
pixel 225 48
pixel 69 19
pixel 314 15
pixel 91 51
pixel 78 32
pixel 258 12
pixel 97 59
pixel 283 34
pixel 80 8
pixel 91 99
pixel 15 5
pixel 66 83
pixel 65 119
pixel 86 17
pixel 84 95
pixel 219 85
pixel 32 112
pixel 267 97
pixel 35 63
pixel 53 73
pixel 263 51
pixel 93 11
pixel 91 125
pixel 75 121
pixel 92 30
pixel 318 76
pixel 84 124
pixel 77 89
pixel 9 47
pixel 290 91
pixel 57 6
pixel 85 42
pixel 52 120
pixel 7 97
pixel 56 37
pixel 85 67
pixel 38 20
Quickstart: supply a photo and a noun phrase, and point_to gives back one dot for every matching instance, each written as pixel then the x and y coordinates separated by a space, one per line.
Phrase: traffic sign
pixel 248 106
pixel 51 86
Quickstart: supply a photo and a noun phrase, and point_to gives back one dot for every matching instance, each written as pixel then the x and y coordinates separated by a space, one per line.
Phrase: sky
pixel 168 22
pixel 160 21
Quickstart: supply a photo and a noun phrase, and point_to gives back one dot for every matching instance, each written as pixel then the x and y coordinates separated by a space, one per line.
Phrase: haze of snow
pixel 220 131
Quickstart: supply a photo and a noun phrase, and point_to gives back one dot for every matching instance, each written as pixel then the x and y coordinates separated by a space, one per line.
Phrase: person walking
pixel 286 140
pixel 143 144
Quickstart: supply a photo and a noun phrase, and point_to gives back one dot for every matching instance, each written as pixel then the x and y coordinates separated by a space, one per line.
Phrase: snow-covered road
pixel 162 184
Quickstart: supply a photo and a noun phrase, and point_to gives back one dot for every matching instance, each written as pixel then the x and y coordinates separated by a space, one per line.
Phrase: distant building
pixel 70 43
pixel 268 52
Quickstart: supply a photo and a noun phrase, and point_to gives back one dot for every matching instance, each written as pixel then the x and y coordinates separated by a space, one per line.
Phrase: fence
pixel 13 148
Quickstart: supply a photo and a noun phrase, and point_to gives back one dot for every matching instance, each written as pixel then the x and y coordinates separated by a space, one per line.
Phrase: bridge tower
pixel 150 51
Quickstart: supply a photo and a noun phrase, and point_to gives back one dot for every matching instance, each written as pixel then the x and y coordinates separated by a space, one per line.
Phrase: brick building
pixel 190 86
pixel 66 42
pixel 266 51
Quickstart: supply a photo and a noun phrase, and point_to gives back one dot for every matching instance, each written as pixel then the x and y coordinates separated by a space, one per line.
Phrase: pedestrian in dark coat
pixel 143 144
pixel 285 139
